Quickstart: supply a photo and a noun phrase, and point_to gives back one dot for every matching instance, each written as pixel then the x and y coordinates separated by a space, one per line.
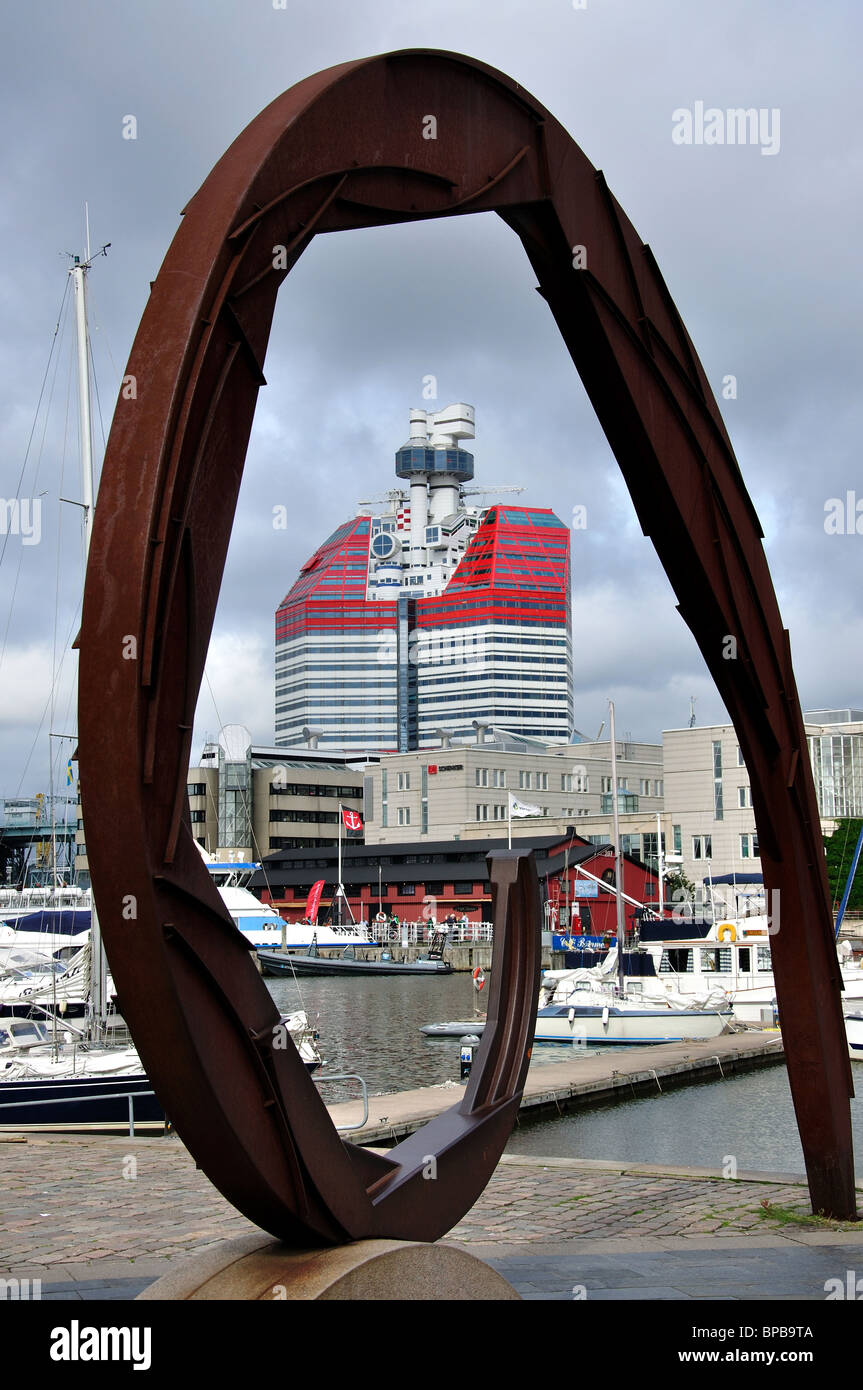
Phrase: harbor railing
pixel 80 1100
pixel 421 933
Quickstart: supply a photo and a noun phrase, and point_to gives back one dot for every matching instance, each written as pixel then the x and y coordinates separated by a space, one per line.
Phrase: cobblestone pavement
pixel 75 1200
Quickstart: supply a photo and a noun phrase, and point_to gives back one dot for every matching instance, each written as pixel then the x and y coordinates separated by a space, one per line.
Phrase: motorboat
pixel 349 963
pixel 261 925
pixel 47 930
pixel 44 931
pixel 735 959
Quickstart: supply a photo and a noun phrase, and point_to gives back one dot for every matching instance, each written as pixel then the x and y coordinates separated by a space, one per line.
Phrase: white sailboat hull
pixel 593 1024
pixel 854 1031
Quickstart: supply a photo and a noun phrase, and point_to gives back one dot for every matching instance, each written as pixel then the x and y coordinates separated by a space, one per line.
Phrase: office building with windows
pixel 431 618
pixel 711 822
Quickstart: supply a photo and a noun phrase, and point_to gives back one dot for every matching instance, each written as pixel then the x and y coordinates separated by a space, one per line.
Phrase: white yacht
pixel 263 926
pixel 734 959
pixel 44 931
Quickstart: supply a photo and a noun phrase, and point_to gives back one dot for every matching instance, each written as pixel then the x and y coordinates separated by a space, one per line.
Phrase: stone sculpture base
pixel 257 1267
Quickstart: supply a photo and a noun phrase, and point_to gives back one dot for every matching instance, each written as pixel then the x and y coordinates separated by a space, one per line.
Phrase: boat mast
pixel 618 858
pixel 660 864
pixel 78 271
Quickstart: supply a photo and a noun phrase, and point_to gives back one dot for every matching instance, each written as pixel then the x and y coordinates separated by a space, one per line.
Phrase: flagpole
pixel 339 885
pixel 509 820
pixel 618 858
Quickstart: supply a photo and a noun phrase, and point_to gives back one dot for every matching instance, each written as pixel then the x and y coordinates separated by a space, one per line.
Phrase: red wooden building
pixel 419 880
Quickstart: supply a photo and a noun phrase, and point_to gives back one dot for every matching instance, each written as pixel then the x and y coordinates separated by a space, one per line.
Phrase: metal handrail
pixel 350 1076
pixel 76 1100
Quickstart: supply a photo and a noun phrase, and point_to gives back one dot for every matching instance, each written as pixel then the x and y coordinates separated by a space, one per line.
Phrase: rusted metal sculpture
pixel 400 138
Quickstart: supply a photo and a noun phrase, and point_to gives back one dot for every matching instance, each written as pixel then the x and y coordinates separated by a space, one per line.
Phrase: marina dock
pixel 585 1080
pixel 96 1218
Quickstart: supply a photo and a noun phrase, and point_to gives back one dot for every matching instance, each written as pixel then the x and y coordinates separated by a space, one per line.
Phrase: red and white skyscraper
pixel 432 618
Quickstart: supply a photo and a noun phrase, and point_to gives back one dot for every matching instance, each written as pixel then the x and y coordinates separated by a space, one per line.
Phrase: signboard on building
pixel 582 943
pixel 585 888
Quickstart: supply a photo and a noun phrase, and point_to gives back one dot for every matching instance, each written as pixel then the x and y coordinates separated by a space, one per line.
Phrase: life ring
pixel 726 929
pixel 478 977
pixel 381 917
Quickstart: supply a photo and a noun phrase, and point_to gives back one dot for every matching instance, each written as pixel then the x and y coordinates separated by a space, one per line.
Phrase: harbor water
pixel 748 1116
pixel 371 1027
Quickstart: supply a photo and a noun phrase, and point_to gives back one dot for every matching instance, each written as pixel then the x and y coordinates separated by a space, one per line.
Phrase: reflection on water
pixel 371 1027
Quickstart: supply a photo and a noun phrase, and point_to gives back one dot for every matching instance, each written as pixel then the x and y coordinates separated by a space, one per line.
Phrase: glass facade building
pixel 420 623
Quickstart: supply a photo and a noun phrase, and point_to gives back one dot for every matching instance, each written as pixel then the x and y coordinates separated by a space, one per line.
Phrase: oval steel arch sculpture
pixel 346 149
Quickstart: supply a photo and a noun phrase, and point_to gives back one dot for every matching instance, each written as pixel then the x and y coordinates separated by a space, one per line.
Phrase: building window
pixel 677 836
pixel 408 890
pixel 702 847
pixel 197 817
pixel 404 781
pixel 658 788
pixel 500 813
pixel 717 780
pixel 740 762
pixel 499 777
pixel 749 846
pixel 606 784
pixel 524 781
pixel 542 781
pixel 482 777
pixel 566 782
pixel 644 786
pixel 744 797
pixel 197 789
pixel 482 813
pixel 462 888
pixel 626 802
pixel 404 815
pixel 582 782
pixel 622 784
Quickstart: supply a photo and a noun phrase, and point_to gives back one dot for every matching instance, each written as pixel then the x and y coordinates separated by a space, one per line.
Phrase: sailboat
pixel 595 1006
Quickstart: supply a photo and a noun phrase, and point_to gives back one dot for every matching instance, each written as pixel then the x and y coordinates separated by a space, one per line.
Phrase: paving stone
pixel 171 1211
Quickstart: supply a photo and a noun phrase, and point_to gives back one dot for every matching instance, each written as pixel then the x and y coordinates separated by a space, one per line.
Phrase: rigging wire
pixel 57 327
pixel 60 328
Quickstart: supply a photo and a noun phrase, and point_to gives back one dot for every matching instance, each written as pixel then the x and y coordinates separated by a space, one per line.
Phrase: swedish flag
pixel 70 776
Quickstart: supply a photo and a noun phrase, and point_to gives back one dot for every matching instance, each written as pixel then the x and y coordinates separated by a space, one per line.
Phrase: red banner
pixel 352 819
pixel 313 900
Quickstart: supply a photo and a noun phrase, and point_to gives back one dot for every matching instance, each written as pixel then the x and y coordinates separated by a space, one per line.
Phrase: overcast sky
pixel 760 251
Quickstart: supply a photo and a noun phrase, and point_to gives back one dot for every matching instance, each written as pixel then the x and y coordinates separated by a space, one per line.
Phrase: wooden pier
pixel 583 1080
